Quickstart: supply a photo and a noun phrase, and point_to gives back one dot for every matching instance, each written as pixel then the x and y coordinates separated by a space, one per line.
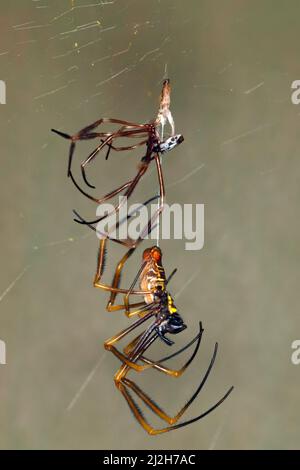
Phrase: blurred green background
pixel 231 63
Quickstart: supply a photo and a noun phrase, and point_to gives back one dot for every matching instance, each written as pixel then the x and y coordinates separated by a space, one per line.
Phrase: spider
pixel 147 132
pixel 157 307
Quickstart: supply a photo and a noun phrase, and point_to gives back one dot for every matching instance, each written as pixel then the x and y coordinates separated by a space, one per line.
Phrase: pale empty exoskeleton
pixel 149 135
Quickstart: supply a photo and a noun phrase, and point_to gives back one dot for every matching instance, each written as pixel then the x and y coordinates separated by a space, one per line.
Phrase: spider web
pixel 65 64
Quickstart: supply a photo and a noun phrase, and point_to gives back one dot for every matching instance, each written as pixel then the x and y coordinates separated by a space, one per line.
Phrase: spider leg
pixel 122 383
pixel 130 147
pixel 145 231
pixel 120 222
pixel 85 134
pixel 92 155
pixel 62 134
pixel 130 328
pixel 167 358
pixel 149 226
pixel 157 364
pixel 94 125
pixel 142 342
pixel 101 265
pixel 115 283
pixel 129 363
pixel 71 150
pixel 130 188
pixel 177 373
pixel 100 270
pixel 130 360
pixel 104 235
pixel 104 198
pixel 160 207
pixel 108 141
pixel 89 196
pixel 171 275
pixel 128 349
pixel 157 410
pixel 108 151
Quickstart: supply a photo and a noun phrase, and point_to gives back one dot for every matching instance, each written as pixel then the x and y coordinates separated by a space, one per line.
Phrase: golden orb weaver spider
pixel 157 307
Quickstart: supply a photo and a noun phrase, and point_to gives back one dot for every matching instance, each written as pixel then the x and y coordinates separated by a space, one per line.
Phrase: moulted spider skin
pixel 148 136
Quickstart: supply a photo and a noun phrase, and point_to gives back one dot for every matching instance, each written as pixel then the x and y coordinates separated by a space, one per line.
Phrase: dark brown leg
pixel 146 230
